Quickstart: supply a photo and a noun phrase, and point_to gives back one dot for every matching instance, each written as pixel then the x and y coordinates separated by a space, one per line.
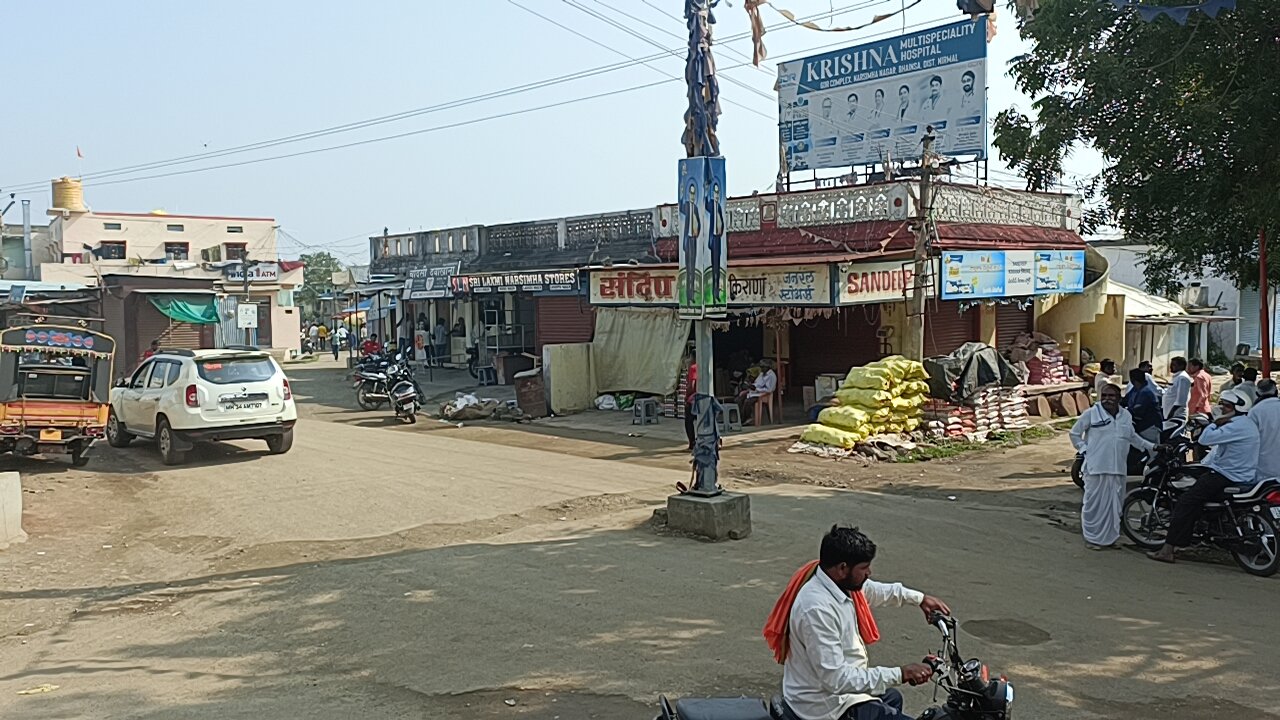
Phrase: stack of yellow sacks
pixel 882 397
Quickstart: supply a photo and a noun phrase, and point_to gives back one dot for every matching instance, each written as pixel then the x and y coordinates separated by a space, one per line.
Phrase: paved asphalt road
pixel 380 573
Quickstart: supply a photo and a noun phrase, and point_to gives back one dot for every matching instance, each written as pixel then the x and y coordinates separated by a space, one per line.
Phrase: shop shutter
pixel 1250 325
pixel 834 344
pixel 1011 321
pixel 563 320
pixel 155 325
pixel 946 328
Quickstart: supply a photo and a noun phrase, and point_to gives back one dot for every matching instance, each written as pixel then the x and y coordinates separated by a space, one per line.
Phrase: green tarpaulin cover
pixel 195 309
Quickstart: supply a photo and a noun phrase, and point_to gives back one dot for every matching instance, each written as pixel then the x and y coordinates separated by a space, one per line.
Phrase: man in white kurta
pixel 1105 432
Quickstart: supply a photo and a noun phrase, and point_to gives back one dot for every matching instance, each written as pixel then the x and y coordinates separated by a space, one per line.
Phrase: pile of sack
pixel 944 420
pixel 881 397
pixel 1042 358
pixel 1001 409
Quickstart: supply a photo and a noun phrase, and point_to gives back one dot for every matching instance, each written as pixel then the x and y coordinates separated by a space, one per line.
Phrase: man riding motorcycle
pixel 1234 440
pixel 821 627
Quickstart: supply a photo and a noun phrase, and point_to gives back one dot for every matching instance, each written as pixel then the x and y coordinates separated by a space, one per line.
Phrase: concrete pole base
pixel 726 516
pixel 11 509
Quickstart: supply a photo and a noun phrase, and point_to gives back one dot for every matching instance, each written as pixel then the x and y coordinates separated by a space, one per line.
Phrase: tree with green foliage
pixel 1186 116
pixel 317 278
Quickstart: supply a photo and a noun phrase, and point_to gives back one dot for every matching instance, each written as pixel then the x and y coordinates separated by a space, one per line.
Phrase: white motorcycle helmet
pixel 1235 399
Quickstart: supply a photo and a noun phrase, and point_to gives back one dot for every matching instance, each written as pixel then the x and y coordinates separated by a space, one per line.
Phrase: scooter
pixel 405 397
pixel 970 692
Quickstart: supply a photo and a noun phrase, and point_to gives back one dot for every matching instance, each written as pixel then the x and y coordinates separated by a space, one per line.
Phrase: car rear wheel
pixel 166 442
pixel 280 444
pixel 117 436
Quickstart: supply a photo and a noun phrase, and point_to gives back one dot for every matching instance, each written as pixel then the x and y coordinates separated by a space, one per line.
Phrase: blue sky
pixel 137 82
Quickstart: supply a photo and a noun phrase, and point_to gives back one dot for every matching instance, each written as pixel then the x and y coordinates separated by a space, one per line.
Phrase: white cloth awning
pixel 1141 304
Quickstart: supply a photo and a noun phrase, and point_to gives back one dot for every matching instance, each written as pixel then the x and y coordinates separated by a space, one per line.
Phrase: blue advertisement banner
pixel 974 274
pixel 869 103
pixel 702 285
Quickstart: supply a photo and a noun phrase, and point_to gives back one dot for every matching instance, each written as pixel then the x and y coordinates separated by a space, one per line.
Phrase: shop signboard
pixel 1059 271
pixel 864 104
pixel 877 282
pixel 780 285
pixel 702 289
pixel 262 272
pixel 558 281
pixel 746 286
pixel 430 283
pixel 633 287
pixel 1011 273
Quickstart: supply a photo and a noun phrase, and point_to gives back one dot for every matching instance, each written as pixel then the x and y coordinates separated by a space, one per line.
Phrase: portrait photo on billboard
pixel 861 103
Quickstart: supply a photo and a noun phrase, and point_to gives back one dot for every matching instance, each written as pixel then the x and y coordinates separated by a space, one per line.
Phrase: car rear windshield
pixel 227 371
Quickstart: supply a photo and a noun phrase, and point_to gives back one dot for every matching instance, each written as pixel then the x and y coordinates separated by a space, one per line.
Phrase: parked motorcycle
pixel 1245 521
pixel 970 693
pixel 371 384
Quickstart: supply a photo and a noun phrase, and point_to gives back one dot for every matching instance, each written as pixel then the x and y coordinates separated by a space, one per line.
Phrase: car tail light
pixel 193 397
pixel 288 393
pixel 1273 497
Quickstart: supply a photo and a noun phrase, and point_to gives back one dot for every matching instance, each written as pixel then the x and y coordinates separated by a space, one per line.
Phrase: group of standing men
pixel 1248 420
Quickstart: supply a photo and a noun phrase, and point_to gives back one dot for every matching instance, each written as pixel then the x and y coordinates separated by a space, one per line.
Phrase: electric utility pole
pixel 915 317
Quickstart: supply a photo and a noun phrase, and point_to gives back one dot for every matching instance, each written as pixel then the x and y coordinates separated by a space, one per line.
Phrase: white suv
pixel 182 396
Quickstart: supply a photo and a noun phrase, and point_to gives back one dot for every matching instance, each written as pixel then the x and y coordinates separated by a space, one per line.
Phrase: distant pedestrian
pixel 690 390
pixel 1105 432
pixel 440 339
pixel 1249 384
pixel 1107 369
pixel 1201 388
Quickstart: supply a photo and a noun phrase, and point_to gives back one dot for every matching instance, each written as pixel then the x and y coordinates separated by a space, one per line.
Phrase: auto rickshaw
pixel 55 390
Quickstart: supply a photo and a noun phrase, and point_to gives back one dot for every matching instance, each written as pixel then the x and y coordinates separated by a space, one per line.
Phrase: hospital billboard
pixel 871 103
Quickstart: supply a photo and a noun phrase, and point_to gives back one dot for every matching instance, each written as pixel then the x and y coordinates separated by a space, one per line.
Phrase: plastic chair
pixel 729 418
pixel 645 411
pixel 775 409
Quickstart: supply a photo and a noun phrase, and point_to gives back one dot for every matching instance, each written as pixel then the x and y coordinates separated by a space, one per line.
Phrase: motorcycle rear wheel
pixel 1261 556
pixel 1145 516
pixel 1077 472
pixel 365 403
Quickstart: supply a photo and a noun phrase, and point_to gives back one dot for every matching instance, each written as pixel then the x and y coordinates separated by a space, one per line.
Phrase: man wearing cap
pixel 1235 444
pixel 1266 415
pixel 1105 433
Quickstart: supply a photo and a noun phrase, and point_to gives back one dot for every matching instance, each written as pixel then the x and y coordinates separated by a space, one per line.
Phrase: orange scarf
pixel 777 628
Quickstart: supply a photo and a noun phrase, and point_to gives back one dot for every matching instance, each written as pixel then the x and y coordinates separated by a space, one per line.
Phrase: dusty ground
pixel 383 571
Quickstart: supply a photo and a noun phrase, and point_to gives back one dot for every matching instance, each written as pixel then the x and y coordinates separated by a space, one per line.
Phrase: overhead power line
pixel 23 188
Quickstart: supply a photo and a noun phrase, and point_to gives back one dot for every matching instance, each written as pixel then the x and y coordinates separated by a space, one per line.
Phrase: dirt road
pixel 440 572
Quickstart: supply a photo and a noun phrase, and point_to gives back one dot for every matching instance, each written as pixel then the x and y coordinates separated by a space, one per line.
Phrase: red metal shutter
pixel 563 320
pixel 946 328
pixel 1011 321
pixel 834 344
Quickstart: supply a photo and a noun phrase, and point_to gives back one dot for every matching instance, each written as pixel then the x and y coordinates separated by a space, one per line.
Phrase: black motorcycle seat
pixel 1249 492
pixel 722 709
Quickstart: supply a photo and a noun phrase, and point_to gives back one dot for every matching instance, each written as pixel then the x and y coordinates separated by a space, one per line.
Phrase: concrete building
pixel 197 256
pixel 1203 294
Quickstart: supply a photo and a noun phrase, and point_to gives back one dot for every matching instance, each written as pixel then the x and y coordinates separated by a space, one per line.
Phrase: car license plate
pixel 54 435
pixel 245 406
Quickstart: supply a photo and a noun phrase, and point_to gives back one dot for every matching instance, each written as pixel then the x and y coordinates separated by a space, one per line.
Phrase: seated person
pixel 765 384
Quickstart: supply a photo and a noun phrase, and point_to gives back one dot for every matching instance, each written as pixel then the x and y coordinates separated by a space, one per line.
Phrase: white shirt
pixel 1236 448
pixel 827 671
pixel 1105 440
pixel 1099 382
pixel 314 332
pixel 341 332
pixel 765 384
pixel 1266 415
pixel 1178 394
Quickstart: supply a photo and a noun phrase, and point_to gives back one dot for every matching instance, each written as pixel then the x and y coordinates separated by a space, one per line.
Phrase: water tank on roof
pixel 68 194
